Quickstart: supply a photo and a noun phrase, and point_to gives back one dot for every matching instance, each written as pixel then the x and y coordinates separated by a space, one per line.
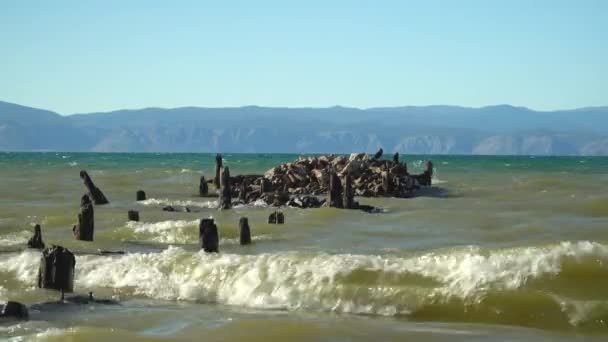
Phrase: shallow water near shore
pixel 499 249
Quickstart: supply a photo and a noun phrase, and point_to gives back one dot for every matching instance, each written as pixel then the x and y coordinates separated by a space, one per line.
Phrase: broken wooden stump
pixel 244 231
pixel 203 188
pixel 14 310
pixel 218 169
pixel 96 194
pixel 276 218
pixel 335 191
pixel 349 195
pixel 378 154
pixel 133 215
pixel 86 222
pixel 208 236
pixel 36 240
pixel 396 158
pixel 226 194
pixel 425 178
pixel 57 269
pixel 140 195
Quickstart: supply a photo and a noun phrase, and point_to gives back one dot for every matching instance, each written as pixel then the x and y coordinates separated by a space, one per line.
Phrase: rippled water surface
pixel 500 249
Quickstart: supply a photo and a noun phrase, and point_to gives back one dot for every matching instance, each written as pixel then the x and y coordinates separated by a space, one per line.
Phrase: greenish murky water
pixel 500 249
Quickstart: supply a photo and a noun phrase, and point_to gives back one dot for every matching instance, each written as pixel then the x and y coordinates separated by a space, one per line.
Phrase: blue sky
pixel 83 56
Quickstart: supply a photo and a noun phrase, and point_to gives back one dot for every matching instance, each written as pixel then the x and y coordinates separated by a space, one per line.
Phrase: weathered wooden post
pixel 203 188
pixel 36 240
pixel 349 195
pixel 244 231
pixel 378 154
pixel 133 215
pixel 57 269
pixel 96 194
pixel 208 235
pixel 86 222
pixel 140 195
pixel 276 218
pixel 218 169
pixel 396 158
pixel 14 310
pixel 335 191
pixel 226 194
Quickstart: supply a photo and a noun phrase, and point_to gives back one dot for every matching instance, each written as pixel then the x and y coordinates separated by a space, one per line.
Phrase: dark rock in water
pixel 218 169
pixel 368 208
pixel 133 215
pixel 226 194
pixel 14 310
pixel 169 208
pixel 73 300
pixel 335 191
pixel 140 195
pixel 36 240
pixel 208 236
pixel 244 231
pixel 276 218
pixel 378 154
pixel 306 201
pixel 57 269
pixel 203 188
pixel 86 221
pixel 96 194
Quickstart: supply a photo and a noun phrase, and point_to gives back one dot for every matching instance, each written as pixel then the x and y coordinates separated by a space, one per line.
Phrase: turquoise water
pixel 500 248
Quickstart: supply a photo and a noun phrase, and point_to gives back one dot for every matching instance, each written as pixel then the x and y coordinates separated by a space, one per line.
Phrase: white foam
pixel 293 280
pixel 188 203
pixel 179 231
pixel 15 238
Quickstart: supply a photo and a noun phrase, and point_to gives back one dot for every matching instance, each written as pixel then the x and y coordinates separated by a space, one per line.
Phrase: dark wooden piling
pixel 335 191
pixel 276 218
pixel 133 215
pixel 140 195
pixel 265 185
pixel 57 269
pixel 208 236
pixel 244 231
pixel 226 194
pixel 14 310
pixel 349 194
pixel 203 188
pixel 36 240
pixel 95 193
pixel 218 170
pixel 396 158
pixel 86 221
pixel 378 154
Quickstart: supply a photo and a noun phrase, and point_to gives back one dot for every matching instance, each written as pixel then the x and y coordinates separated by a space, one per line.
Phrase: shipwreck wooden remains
pixel 96 194
pixel 335 191
pixel 57 269
pixel 226 192
pixel 276 218
pixel 348 194
pixel 244 231
pixel 133 215
pixel 203 187
pixel 36 240
pixel 140 195
pixel 86 221
pixel 218 170
pixel 208 236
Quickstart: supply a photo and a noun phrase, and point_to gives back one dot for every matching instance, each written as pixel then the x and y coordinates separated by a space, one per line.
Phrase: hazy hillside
pixel 421 130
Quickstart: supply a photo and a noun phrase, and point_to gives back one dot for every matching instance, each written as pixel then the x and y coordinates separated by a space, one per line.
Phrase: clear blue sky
pixel 81 56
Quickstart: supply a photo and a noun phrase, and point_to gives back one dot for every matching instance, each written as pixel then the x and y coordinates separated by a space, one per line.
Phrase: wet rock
pixel 208 236
pixel 244 231
pixel 98 197
pixel 86 222
pixel 57 269
pixel 36 240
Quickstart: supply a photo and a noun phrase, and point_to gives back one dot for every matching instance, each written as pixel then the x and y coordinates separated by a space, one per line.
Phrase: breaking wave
pixel 187 203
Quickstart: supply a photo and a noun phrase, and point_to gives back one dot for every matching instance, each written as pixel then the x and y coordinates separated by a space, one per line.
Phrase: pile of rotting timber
pixel 301 182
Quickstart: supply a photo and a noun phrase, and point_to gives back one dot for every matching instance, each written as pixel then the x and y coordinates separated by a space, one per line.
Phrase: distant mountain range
pixel 496 130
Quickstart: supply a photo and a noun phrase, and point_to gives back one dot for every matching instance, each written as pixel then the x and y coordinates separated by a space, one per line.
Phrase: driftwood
pixel 36 240
pixel 208 236
pixel 95 193
pixel 57 269
pixel 244 231
pixel 86 223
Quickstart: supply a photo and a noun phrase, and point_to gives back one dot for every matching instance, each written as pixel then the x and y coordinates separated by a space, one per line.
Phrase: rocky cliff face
pixel 408 130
